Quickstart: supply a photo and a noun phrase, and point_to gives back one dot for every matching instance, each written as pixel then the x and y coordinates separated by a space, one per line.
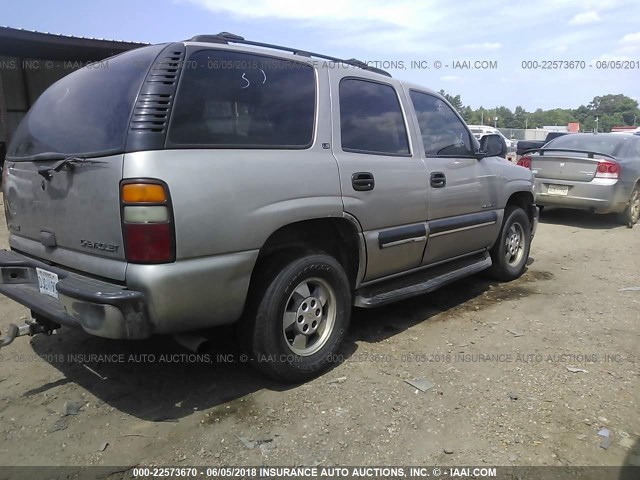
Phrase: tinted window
pixel 230 99
pixel 370 118
pixel 88 111
pixel 443 133
pixel 599 143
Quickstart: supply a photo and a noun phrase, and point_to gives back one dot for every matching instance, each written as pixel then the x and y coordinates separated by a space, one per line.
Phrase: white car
pixel 480 131
pixel 631 131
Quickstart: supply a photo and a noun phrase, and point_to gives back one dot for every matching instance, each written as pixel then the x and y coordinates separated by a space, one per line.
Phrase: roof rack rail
pixel 226 38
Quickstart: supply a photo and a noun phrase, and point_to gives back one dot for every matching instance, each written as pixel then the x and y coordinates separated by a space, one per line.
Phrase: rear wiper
pixel 70 161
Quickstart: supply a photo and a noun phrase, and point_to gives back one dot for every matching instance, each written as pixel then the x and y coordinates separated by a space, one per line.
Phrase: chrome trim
pixel 403 241
pixel 462 228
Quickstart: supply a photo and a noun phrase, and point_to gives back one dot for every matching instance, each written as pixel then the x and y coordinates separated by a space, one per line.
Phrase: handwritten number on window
pixel 246 80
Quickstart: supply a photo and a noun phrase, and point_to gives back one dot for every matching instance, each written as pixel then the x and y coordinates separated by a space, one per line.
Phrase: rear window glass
pixel 606 144
pixel 237 100
pixel 87 112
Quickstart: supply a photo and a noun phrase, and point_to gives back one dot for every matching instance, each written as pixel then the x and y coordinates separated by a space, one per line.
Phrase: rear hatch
pixel 64 166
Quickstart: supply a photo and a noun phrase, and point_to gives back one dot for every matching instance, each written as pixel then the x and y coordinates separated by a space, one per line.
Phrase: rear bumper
pixel 100 308
pixel 600 195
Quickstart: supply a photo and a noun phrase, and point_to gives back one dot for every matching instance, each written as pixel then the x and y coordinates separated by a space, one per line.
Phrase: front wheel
pixel 299 314
pixel 511 251
pixel 631 213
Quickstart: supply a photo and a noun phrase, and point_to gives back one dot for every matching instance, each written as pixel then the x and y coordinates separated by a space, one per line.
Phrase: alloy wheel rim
pixel 309 316
pixel 635 206
pixel 515 243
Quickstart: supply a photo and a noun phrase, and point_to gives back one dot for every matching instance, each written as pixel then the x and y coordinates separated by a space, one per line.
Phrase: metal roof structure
pixel 17 42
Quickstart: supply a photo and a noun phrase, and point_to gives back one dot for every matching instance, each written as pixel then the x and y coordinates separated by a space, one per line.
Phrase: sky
pixel 422 41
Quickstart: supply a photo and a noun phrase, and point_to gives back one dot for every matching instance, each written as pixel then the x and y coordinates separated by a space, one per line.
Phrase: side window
pixel 229 99
pixel 371 120
pixel 442 131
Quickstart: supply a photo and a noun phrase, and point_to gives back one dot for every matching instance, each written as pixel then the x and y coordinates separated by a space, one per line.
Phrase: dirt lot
pixel 496 354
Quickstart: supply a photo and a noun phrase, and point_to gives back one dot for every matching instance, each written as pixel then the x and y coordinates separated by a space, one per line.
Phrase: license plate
pixel 47 282
pixel 558 190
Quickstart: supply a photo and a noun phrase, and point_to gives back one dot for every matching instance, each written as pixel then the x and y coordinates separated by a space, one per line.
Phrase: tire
pixel 631 214
pixel 311 293
pixel 511 251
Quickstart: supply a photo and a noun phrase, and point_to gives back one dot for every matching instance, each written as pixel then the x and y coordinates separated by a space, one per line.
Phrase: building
pixel 555 128
pixel 31 61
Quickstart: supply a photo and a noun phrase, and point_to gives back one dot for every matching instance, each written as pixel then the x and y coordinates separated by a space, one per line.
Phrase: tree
pixel 520 117
pixel 611 110
pixel 456 102
pixel 614 110
pixel 506 118
pixel 468 114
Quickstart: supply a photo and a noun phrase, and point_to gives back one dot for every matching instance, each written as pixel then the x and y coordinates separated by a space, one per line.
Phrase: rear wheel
pixel 631 213
pixel 511 251
pixel 299 314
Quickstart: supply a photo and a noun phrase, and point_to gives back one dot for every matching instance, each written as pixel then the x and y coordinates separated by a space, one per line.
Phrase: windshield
pixel 85 113
pixel 598 143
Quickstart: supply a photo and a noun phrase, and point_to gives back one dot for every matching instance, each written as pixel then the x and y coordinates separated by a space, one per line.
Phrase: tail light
pixel 525 162
pixel 608 169
pixel 147 222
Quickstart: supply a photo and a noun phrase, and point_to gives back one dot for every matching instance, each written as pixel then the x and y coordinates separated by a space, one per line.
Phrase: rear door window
pixel 371 119
pixel 237 100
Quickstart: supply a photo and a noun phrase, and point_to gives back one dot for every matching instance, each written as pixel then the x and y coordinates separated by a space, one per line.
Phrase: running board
pixel 420 282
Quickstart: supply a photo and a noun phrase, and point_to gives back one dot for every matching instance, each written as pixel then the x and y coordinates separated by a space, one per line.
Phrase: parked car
pixel 524 146
pixel 480 131
pixel 634 131
pixel 201 183
pixel 597 172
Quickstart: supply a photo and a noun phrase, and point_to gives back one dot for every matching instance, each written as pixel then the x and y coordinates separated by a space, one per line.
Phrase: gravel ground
pixel 496 358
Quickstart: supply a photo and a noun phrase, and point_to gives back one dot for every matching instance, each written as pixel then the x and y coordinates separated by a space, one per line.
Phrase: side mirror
pixel 492 145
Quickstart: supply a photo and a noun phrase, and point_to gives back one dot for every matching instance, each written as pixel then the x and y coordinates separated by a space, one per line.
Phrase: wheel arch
pixel 340 237
pixel 524 200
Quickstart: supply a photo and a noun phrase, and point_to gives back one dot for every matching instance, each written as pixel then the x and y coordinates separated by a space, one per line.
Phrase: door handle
pixel 363 181
pixel 438 179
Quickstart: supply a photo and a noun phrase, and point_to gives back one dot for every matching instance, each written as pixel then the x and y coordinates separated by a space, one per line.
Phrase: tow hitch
pixel 30 328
